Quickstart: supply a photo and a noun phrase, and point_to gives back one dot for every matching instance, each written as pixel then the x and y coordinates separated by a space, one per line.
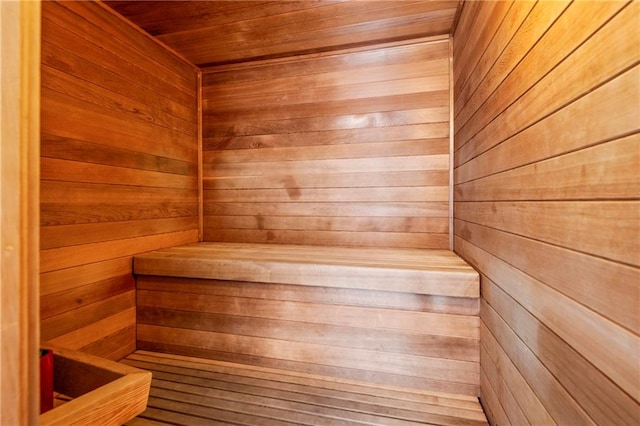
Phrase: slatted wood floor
pixel 193 391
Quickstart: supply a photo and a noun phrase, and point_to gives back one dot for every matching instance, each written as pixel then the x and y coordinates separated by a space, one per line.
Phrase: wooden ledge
pixel 104 392
pixel 418 271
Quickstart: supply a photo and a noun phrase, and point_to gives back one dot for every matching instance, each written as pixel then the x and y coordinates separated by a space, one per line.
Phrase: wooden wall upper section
pixel 118 170
pixel 347 149
pixel 547 195
pixel 220 32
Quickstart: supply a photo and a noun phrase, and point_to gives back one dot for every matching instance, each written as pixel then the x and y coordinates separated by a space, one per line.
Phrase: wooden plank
pixel 426 49
pixel 388 209
pixel 505 408
pixel 68 280
pixel 160 416
pixel 88 91
pixel 66 148
pixel 616 219
pixel 105 74
pixel 165 142
pixel 332 195
pixel 107 392
pixel 278 378
pixel 87 57
pixel 20 44
pixel 71 235
pixel 358 91
pixel 200 174
pixel 300 388
pixel 114 346
pixel 353 150
pixel 434 346
pixel 602 400
pixel 67 299
pixel 556 399
pixel 526 398
pixel 166 59
pixel 361 224
pixel 470 75
pixel 58 214
pixel 125 43
pixel 542 17
pixel 543 116
pixel 312 30
pixel 375 377
pixel 333 180
pixel 462 326
pixel 343 411
pixel 68 257
pixel 119 168
pixel 384 134
pixel 519 150
pixel 75 171
pixel 329 238
pixel 436 368
pixel 322 109
pixel 382 164
pixel 500 396
pixel 336 78
pixel 336 122
pixel 54 192
pixel 186 17
pixel 226 386
pixel 568 82
pixel 67 322
pixel 558 267
pixel 380 272
pixel 390 257
pixel 468 56
pixel 584 176
pixel 330 296
pixel 92 337
pixel 566 318
pixel 487 396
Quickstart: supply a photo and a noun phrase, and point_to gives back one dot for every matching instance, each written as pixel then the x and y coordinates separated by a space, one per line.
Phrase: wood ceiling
pixel 210 33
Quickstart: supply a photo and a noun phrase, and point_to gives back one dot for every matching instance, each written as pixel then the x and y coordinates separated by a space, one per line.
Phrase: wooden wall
pixel 347 149
pixel 547 194
pixel 118 170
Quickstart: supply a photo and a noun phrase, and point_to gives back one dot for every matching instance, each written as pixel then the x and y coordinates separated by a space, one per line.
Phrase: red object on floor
pixel 46 380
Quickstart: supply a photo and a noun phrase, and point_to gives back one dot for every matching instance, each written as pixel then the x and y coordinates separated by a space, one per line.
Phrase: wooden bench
pixel 400 317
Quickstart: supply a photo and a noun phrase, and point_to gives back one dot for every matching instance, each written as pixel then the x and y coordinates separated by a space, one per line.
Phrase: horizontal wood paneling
pixel 348 149
pixel 118 170
pixel 221 32
pixel 260 326
pixel 547 206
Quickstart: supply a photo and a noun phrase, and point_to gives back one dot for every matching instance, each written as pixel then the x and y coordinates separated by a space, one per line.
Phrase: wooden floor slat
pixel 193 391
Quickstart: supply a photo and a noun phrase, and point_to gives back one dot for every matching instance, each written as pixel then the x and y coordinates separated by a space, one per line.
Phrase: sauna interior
pixel 322 212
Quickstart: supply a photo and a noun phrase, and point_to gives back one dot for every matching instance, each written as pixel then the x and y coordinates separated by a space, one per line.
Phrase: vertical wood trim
pixel 451 142
pixel 30 199
pixel 200 175
pixel 456 19
pixel 19 198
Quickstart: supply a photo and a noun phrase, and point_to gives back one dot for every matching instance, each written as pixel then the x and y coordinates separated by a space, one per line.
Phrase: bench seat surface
pixel 418 271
